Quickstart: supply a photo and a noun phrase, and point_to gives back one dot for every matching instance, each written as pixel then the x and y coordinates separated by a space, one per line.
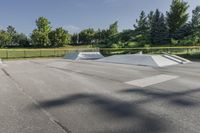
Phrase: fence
pixel 35 53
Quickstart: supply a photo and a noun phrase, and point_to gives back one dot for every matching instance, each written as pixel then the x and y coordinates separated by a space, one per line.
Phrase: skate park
pixel 120 93
pixel 100 66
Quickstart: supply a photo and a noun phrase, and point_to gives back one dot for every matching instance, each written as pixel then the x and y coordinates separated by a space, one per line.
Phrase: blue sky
pixel 75 15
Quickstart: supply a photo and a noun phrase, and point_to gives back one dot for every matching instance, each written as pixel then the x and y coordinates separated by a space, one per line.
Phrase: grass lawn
pixel 41 52
pixel 60 52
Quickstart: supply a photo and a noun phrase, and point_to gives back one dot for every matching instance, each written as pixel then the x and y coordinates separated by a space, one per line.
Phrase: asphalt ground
pixel 62 96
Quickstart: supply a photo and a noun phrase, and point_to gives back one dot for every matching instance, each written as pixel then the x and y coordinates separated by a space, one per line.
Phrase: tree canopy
pixel 59 37
pixel 150 29
pixel 158 28
pixel 177 16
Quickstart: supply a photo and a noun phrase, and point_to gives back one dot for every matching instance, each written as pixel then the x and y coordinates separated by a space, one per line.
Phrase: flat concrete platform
pixel 145 60
pixel 62 96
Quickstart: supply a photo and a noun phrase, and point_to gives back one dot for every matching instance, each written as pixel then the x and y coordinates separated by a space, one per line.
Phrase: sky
pixel 76 15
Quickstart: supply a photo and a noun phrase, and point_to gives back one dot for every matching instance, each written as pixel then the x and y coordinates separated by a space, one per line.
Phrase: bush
pixel 174 42
pixel 190 41
pixel 132 44
pixel 114 46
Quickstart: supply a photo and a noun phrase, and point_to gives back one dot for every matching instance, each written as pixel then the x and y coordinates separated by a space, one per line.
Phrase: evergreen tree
pixel 113 29
pixel 196 17
pixel 141 25
pixel 142 28
pixel 177 16
pixel 184 31
pixel 158 32
pixel 150 19
pixel 195 24
pixel 104 35
pixel 126 35
pixel 98 36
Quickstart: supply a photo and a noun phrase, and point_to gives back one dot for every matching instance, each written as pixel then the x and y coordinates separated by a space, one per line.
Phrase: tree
pixel 43 24
pixel 158 30
pixel 194 27
pixel 177 16
pixel 142 28
pixel 5 39
pixel 75 39
pixel 126 35
pixel 196 17
pixel 11 30
pixel 196 22
pixel 150 19
pixel 17 39
pixel 87 36
pixel 40 36
pixel 22 40
pixel 141 24
pixel 98 36
pixel 113 29
pixel 104 35
pixel 59 37
pixel 184 31
pixel 12 33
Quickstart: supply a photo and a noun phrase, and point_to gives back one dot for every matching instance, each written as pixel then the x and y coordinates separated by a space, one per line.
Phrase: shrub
pixel 132 44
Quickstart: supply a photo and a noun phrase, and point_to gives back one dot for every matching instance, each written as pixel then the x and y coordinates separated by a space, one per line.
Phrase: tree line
pixel 42 36
pixel 151 29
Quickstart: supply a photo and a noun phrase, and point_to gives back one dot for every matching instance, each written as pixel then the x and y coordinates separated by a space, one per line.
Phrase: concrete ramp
pixel 1 61
pixel 177 58
pixel 83 56
pixel 144 60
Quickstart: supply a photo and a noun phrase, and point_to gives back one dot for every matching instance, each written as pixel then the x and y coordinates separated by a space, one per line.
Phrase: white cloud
pixel 71 28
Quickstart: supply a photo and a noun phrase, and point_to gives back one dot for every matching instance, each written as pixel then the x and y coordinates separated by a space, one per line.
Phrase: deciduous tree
pixel 40 36
pixel 5 39
pixel 87 36
pixel 59 37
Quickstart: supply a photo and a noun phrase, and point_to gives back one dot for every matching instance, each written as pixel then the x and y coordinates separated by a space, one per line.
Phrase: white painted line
pixel 151 80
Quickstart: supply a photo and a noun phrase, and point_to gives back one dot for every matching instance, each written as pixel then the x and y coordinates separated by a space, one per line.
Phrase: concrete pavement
pixel 56 95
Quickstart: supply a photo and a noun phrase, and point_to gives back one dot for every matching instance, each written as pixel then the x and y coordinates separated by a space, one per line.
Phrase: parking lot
pixel 62 96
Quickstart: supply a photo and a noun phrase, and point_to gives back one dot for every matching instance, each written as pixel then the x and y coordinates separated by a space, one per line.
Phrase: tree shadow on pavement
pixel 182 99
pixel 139 120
